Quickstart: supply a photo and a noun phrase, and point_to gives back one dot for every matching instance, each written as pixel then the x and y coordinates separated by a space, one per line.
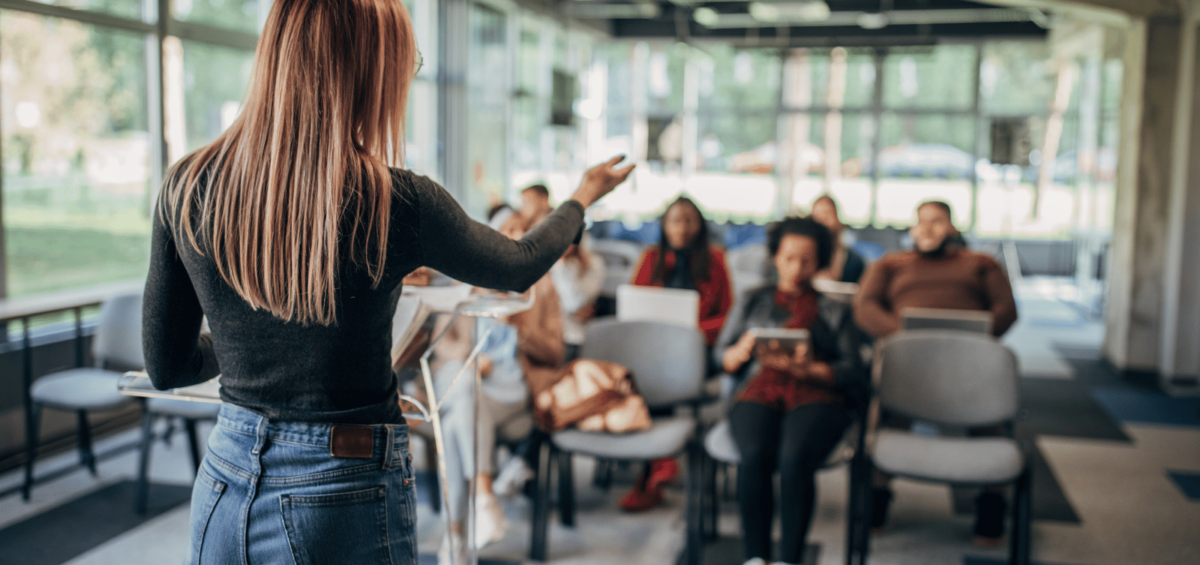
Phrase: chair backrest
pixel 748 259
pixel 948 377
pixel 667 362
pixel 119 337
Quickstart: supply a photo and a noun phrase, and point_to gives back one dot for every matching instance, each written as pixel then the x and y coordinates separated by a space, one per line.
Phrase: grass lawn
pixel 50 258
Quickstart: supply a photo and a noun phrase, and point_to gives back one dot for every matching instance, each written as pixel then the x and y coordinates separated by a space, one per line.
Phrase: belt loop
pixel 389 455
pixel 262 435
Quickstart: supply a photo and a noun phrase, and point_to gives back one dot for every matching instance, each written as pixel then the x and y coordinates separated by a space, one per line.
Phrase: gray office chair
pixel 191 413
pixel 118 343
pixel 956 379
pixel 668 366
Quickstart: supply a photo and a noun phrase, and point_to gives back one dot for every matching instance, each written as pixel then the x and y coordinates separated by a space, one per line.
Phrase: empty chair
pixel 668 365
pixel 950 378
pixel 118 343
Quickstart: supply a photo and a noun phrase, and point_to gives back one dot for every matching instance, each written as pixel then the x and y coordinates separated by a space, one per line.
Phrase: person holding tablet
pixel 292 233
pixel 684 259
pixel 799 398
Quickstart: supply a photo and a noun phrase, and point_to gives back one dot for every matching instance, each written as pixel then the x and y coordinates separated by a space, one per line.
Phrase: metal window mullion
pixel 204 33
pixel 3 244
pixel 876 146
pixel 977 148
pixel 94 18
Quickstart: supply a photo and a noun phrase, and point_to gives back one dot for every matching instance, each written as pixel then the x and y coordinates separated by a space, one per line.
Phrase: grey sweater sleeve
pixel 176 353
pixel 453 243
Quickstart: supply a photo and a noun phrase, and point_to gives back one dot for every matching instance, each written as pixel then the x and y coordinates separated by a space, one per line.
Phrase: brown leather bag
pixel 593 396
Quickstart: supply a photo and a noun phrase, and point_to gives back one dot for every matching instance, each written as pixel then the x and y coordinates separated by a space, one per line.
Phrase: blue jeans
pixel 271 492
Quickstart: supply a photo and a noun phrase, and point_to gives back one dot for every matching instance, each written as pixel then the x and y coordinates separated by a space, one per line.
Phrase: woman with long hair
pixel 797 404
pixel 684 259
pixel 292 233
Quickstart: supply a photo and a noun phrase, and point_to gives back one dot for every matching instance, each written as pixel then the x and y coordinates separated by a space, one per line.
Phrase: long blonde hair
pixel 322 121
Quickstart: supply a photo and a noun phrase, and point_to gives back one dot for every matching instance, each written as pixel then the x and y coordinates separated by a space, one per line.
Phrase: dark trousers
pixel 795 443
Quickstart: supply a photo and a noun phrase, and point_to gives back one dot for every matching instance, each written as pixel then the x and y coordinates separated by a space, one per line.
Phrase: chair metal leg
pixel 86 457
pixel 193 443
pixel 603 478
pixel 33 419
pixel 434 480
pixel 1019 540
pixel 694 510
pixel 858 535
pixel 566 489
pixel 541 505
pixel 712 506
pixel 143 485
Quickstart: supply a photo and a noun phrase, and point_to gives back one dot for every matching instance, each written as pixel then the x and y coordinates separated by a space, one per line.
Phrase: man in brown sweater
pixel 938 273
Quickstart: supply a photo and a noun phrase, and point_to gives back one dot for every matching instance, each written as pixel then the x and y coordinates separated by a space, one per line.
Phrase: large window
pixel 81 128
pixel 76 153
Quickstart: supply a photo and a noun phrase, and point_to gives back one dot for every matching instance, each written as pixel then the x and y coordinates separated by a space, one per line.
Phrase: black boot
pixel 881 500
pixel 990 509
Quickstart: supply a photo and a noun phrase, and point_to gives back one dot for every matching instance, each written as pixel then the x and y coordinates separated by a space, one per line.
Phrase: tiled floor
pixel 1122 465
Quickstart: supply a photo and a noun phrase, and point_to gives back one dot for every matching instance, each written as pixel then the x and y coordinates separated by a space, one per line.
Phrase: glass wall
pixel 1018 141
pixel 77 163
pixel 78 112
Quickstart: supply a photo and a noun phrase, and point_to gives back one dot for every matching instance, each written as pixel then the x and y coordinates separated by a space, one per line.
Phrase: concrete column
pixel 1179 355
pixel 1153 301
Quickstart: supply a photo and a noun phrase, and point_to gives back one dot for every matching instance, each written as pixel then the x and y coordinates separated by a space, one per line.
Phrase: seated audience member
pixel 520 358
pixel 938 273
pixel 535 202
pixel 498 215
pixel 846 265
pixel 797 405
pixel 578 278
pixel 683 259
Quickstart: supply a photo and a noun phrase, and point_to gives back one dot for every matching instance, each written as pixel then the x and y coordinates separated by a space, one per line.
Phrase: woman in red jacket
pixel 684 259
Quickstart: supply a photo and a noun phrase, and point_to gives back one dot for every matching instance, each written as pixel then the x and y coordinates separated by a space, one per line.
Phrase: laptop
pixel 975 321
pixel 839 291
pixel 653 304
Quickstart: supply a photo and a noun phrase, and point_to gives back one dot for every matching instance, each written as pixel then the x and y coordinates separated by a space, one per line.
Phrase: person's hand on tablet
pixel 739 353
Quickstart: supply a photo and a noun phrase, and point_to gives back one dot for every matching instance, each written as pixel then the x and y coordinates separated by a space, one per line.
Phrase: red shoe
pixel 640 500
pixel 662 472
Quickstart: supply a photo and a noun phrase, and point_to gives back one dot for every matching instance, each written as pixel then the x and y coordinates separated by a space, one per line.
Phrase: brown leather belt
pixel 352 442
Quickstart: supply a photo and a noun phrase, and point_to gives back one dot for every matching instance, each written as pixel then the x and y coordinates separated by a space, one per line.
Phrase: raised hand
pixel 601 180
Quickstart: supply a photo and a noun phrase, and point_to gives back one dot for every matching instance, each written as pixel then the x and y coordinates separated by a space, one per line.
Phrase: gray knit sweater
pixel 339 373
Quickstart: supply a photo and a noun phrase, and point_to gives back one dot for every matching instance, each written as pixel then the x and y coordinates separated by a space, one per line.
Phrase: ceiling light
pixel 808 11
pixel 868 20
pixel 706 16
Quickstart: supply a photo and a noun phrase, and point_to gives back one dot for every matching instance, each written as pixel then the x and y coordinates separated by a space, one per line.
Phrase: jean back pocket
pixel 348 527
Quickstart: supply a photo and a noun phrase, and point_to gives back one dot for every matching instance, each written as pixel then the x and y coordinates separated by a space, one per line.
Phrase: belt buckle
pixel 352 442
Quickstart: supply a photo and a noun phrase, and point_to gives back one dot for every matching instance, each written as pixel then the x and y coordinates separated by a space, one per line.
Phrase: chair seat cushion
pixel 965 461
pixel 666 437
pixel 191 410
pixel 719 444
pixel 79 389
